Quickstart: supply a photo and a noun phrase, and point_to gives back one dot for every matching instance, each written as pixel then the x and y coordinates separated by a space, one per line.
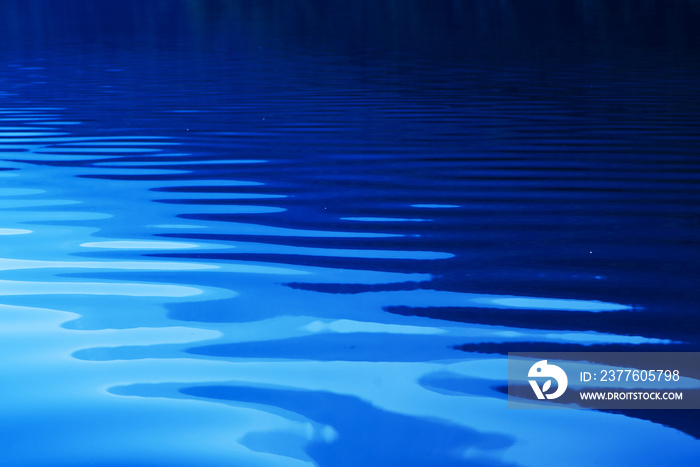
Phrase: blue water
pixel 308 233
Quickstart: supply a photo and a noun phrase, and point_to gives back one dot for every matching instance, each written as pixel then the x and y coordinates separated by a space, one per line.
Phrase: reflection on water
pixel 309 254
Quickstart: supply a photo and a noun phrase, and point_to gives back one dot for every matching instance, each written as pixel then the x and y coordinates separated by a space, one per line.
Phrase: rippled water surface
pixel 308 233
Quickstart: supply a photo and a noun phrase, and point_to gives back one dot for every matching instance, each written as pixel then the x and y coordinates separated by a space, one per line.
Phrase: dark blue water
pixel 308 233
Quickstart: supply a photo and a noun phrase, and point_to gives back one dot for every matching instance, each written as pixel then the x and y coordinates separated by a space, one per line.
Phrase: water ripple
pixel 293 257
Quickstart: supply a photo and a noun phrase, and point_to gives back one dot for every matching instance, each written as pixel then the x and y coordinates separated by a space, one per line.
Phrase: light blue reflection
pixel 596 338
pixel 14 231
pixel 557 304
pixel 15 264
pixel 96 288
pixel 34 216
pixel 23 203
pixel 20 191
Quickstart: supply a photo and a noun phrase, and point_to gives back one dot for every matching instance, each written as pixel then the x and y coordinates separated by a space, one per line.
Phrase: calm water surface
pixel 308 233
